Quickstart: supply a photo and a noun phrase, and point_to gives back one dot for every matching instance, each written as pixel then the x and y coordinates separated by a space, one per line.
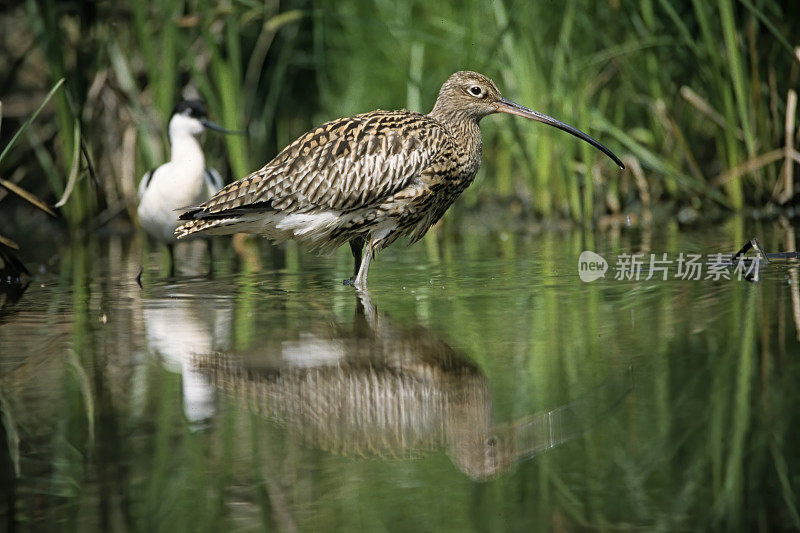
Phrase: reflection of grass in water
pixel 700 443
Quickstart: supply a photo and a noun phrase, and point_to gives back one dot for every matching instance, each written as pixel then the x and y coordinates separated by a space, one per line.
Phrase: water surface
pixel 480 384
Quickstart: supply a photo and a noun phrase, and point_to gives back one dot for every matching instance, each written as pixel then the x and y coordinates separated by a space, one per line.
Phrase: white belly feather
pixel 172 187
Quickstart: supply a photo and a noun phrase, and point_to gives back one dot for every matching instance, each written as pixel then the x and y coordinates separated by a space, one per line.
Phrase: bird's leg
pixel 356 247
pixel 171 250
pixel 361 278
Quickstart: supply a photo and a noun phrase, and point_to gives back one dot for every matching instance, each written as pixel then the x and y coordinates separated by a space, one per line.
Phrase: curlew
pixel 369 179
pixel 181 181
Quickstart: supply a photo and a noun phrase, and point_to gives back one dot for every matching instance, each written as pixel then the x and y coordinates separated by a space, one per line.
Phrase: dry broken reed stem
pixel 788 165
pixel 641 184
pixel 25 195
pixel 787 152
pixel 8 242
pixel 699 103
pixel 672 126
pixel 752 165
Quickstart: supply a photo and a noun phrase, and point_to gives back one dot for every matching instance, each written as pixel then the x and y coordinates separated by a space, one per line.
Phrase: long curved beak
pixel 210 125
pixel 507 106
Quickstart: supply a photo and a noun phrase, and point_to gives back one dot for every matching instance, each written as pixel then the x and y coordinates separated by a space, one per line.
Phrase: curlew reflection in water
pixel 379 388
pixel 179 325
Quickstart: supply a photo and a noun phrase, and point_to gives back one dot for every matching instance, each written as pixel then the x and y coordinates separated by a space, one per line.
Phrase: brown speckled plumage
pixel 368 179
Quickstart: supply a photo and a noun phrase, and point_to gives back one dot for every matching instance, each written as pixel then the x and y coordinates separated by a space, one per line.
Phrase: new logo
pixel 591 266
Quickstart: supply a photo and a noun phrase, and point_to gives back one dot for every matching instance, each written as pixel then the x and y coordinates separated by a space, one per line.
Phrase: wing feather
pixel 343 165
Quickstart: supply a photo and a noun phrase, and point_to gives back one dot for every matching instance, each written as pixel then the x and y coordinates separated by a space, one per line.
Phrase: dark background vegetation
pixel 692 94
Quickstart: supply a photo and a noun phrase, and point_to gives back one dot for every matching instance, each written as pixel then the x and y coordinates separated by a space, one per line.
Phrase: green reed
pixel 7 150
pixel 620 70
pixel 127 64
pixel 693 91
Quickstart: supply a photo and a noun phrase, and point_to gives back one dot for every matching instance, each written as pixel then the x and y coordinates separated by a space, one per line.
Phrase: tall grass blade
pixel 30 119
pixel 761 16
pixel 76 158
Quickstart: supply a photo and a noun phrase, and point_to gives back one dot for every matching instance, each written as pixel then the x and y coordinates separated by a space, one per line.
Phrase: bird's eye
pixel 475 90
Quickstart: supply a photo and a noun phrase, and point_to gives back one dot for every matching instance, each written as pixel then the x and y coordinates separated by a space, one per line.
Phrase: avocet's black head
pixel 191 117
pixel 191 108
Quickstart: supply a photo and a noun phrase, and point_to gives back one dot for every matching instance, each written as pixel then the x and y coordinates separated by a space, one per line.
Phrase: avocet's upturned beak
pixel 210 125
pixel 507 106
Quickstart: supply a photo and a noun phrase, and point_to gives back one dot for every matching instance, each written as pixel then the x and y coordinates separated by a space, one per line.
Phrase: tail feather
pixel 198 219
pixel 318 231
pixel 189 212
pixel 199 224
